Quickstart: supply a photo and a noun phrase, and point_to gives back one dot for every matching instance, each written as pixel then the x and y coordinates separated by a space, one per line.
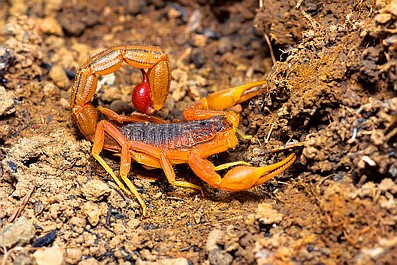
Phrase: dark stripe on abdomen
pixel 174 135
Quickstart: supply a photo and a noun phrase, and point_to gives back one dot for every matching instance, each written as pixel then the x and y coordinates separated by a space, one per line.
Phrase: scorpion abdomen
pixel 175 135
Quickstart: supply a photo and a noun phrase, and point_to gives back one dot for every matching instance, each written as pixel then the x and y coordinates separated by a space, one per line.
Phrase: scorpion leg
pixel 164 162
pixel 102 127
pixel 170 174
pixel 134 117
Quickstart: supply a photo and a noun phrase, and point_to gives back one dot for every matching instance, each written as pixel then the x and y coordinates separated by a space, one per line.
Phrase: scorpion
pixel 210 128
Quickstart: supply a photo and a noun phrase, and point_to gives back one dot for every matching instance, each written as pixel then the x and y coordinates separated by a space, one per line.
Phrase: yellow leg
pixel 243 135
pixel 170 174
pixel 132 188
pixel 130 185
pixel 125 159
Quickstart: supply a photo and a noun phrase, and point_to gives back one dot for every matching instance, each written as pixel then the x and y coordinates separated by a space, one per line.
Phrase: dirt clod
pixel 178 261
pixel 218 257
pixel 18 233
pixel 7 104
pixel 212 240
pixel 95 190
pixel 49 256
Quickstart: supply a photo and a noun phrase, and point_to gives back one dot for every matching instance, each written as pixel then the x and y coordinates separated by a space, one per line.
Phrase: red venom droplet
pixel 141 96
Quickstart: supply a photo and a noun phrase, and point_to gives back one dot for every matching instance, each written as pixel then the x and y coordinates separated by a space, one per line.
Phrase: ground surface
pixel 333 88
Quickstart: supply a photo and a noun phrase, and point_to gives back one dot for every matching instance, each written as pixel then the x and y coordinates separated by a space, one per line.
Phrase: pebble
pixel 50 89
pixel 383 18
pixel 177 261
pixel 92 211
pixel 7 57
pixel 64 103
pixel 50 25
pixel 53 5
pixel 218 257
pixel 90 261
pixel 20 232
pixel 110 94
pixel 212 240
pixel 133 223
pixel 388 185
pixel 7 105
pixel 173 13
pixel 95 190
pixel 225 45
pixel 267 215
pixel 58 75
pixel 49 256
pixel 136 6
pixel 73 255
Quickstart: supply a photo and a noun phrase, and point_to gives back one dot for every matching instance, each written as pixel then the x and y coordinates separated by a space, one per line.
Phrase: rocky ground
pixel 331 75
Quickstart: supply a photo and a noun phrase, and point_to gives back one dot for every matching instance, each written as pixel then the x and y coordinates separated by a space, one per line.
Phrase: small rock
pixel 64 103
pixel 388 185
pixel 225 45
pixel 116 241
pixel 133 223
pixel 267 215
pixel 177 261
pixel 95 190
pixel 90 261
pixel 199 40
pixel 383 18
pixel 73 255
pixel 135 7
pixel 50 25
pixel 173 12
pixel 58 75
pixel 50 89
pixel 49 256
pixel 53 5
pixel 18 7
pixel 120 106
pixel 92 211
pixel 7 105
pixel 73 27
pixel 110 94
pixel 7 57
pixel 20 232
pixel 212 240
pixel 218 257
pixel 23 258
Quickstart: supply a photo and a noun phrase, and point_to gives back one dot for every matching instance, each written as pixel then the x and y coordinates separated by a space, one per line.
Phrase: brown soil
pixel 333 89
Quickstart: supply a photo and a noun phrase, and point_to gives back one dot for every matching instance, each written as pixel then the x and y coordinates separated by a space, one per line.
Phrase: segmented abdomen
pixel 175 135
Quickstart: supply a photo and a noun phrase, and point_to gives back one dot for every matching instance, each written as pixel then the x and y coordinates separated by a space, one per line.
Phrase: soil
pixel 331 99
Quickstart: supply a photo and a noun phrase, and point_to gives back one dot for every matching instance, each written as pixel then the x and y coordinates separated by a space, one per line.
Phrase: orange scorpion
pixel 210 127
